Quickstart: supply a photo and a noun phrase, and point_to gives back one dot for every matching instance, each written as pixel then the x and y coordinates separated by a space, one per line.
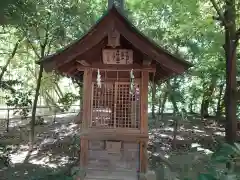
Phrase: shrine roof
pixel 113 18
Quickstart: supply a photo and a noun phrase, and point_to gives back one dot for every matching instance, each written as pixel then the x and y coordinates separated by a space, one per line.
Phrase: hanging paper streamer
pixel 99 79
pixel 132 82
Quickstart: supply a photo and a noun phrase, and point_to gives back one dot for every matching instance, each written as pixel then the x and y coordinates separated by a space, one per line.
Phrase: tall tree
pixel 227 16
pixel 46 32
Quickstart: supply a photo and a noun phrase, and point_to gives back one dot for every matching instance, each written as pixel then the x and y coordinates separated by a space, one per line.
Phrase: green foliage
pixel 61 175
pixel 39 120
pixel 221 165
pixel 4 156
pixel 21 101
pixel 67 100
pixel 206 177
pixel 228 156
pixel 55 176
pixel 186 28
pixel 78 172
pixel 12 10
pixel 9 85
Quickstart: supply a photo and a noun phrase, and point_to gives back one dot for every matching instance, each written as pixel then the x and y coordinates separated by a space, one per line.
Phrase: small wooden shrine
pixel 116 62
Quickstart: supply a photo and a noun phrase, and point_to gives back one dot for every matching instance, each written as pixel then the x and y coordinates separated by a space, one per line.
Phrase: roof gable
pixel 114 19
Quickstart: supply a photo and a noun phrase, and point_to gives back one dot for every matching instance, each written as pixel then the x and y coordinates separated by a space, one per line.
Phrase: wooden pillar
pixel 144 102
pixel 143 156
pixel 144 120
pixel 87 84
pixel 84 152
pixel 87 94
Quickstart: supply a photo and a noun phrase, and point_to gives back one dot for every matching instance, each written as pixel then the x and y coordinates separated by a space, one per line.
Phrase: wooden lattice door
pixel 114 106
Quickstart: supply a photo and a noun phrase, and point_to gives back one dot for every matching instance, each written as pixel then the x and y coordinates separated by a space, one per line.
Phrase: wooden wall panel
pixel 96 145
pixel 105 165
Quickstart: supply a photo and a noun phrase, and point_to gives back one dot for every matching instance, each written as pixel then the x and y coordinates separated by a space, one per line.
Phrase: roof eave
pixel 185 64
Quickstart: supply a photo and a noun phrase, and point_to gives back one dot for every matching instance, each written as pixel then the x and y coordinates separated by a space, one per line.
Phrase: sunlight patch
pixel 168 129
pixel 220 133
pixel 165 148
pixel 206 151
pixel 163 135
pixel 179 138
pixel 199 131
pixel 18 157
pixel 156 154
pixel 52 162
pixel 155 130
pixel 63 115
pixel 193 145
pixel 151 136
pixel 64 160
pixel 44 162
pixel 48 141
pixel 166 156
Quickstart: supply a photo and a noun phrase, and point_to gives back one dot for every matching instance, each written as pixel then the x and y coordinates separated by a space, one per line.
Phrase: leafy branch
pixel 4 69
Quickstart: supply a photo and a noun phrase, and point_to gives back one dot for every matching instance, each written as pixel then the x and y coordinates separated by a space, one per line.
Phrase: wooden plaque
pixel 114 38
pixel 117 56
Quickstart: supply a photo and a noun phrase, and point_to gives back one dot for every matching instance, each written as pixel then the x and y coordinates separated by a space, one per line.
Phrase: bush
pixel 4 156
pixel 223 164
pixel 39 121
pixel 67 100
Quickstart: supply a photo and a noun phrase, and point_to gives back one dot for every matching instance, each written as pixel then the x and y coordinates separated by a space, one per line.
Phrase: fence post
pixel 8 120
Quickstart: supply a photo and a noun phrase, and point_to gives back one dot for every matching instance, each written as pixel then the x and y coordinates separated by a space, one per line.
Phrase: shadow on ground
pixel 54 152
pixel 28 171
pixel 56 147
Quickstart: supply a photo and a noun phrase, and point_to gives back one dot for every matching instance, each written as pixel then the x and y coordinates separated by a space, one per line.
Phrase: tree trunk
pixel 207 97
pixel 232 35
pixel 174 103
pixel 191 107
pixel 219 101
pixel 165 95
pixel 176 111
pixel 175 131
pixel 59 89
pixel 52 102
pixel 153 99
pixel 204 106
pixel 4 69
pixel 57 92
pixel 34 108
pixel 230 52
pixel 159 108
pixel 171 96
